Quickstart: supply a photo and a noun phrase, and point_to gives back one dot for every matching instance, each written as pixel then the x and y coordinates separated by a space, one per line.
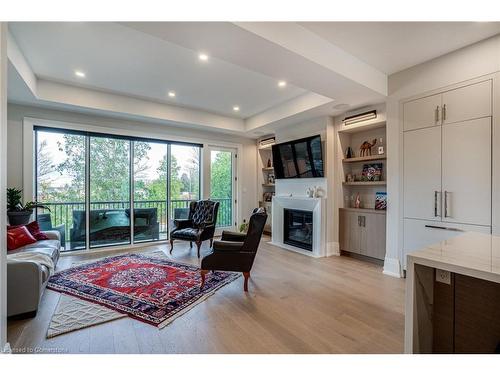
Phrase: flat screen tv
pixel 301 158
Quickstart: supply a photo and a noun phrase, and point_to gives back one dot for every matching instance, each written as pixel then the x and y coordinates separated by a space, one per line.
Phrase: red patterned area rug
pixel 148 288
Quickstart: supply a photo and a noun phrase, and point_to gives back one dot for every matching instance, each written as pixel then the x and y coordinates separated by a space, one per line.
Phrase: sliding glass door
pixel 150 191
pixel 222 184
pixel 91 181
pixel 109 219
pixel 60 184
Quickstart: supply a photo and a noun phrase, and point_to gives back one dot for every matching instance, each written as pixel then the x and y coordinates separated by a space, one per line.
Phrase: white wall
pixel 3 184
pixel 470 62
pixel 247 188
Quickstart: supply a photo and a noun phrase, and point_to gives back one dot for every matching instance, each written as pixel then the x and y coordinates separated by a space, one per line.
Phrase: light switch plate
pixel 443 276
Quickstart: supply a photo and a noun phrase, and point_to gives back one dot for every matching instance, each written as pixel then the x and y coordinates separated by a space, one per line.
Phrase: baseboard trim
pixel 392 267
pixel 332 248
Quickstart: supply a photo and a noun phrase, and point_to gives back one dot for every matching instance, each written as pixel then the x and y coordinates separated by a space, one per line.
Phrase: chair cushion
pixel 203 212
pixel 227 246
pixel 189 234
pixel 18 237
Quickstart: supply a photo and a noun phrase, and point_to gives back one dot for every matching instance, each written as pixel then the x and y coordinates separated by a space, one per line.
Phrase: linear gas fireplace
pixel 298 228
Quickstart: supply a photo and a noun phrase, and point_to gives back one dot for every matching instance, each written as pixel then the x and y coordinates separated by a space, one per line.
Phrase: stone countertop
pixel 472 254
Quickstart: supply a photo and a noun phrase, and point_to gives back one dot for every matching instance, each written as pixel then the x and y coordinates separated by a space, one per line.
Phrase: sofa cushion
pixel 51 251
pixel 34 229
pixel 19 237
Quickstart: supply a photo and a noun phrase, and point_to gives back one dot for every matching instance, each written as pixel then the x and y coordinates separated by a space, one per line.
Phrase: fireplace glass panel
pixel 298 228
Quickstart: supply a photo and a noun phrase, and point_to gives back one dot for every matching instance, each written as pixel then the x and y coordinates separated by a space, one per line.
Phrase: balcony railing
pixel 62 212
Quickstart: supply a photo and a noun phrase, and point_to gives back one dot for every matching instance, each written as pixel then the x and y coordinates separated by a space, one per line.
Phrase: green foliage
pixel 221 176
pixel 14 202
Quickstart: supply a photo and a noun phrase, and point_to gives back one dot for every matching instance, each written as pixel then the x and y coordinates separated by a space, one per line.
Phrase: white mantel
pixel 317 206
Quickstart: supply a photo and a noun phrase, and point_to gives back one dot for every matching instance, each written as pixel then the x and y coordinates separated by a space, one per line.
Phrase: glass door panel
pixel 60 185
pixel 109 216
pixel 222 185
pixel 184 179
pixel 150 191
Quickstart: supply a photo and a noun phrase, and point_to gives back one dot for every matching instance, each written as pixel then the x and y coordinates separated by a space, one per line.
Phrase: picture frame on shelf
pixel 381 200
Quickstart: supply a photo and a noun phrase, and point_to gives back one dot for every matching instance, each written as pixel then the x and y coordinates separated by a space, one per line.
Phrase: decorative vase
pixel 19 217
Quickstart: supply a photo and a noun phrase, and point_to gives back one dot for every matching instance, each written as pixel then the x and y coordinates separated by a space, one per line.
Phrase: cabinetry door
pixel 466 103
pixel 422 113
pixel 344 230
pixel 350 231
pixel 373 236
pixel 422 173
pixel 467 172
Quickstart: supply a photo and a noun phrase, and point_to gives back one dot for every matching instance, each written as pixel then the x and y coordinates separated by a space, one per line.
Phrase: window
pixel 91 181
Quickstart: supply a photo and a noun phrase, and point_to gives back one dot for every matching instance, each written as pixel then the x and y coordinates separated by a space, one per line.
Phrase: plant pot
pixel 19 217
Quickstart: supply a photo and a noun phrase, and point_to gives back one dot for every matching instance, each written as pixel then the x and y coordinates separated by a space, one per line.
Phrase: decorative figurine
pixel 381 146
pixel 269 164
pixel 366 148
pixel 349 153
pixel 357 202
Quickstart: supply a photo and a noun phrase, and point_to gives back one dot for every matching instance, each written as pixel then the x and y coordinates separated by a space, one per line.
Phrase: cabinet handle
pixel 444 112
pixel 445 203
pixel 444 228
pixel 435 203
pixel 436 114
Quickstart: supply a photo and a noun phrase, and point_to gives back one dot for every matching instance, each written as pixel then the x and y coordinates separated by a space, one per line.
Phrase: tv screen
pixel 301 158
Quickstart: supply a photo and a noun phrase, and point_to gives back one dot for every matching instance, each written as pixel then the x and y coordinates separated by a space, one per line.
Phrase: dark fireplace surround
pixel 298 228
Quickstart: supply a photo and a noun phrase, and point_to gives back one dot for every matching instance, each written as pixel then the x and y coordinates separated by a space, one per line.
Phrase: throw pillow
pixel 34 229
pixel 18 237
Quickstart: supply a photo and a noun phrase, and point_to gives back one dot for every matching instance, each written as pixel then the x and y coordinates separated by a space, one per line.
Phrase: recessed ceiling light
pixel 236 108
pixel 281 83
pixel 79 73
pixel 171 94
pixel 203 56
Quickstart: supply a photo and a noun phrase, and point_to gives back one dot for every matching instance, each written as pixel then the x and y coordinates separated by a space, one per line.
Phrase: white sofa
pixel 27 279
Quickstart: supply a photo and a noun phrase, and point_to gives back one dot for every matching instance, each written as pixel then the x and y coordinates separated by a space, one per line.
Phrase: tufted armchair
pixel 236 251
pixel 198 227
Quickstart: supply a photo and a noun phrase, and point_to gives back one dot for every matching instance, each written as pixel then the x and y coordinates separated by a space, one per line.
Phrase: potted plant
pixel 18 213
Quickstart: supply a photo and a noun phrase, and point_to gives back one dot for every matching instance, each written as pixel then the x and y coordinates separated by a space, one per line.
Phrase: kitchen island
pixel 453 296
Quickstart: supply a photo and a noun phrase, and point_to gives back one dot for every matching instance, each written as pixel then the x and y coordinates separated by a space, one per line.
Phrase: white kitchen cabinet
pixel 422 173
pixel 466 103
pixel 422 113
pixel 466 163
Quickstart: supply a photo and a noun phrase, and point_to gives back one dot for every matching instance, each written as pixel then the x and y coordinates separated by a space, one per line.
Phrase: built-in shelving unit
pixel 265 156
pixel 362 230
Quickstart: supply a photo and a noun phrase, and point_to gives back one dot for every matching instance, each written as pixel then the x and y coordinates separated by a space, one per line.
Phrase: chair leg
pixel 246 275
pixel 211 242
pixel 190 244
pixel 171 245
pixel 203 273
pixel 198 245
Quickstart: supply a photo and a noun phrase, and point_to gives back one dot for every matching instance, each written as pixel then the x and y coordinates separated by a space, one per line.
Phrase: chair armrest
pixel 183 223
pixel 53 235
pixel 224 246
pixel 233 236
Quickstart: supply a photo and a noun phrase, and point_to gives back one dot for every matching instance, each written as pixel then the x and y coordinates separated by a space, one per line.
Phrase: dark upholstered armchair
pixel 236 251
pixel 198 227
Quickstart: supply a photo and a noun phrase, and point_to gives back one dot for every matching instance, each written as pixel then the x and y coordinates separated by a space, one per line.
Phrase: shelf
pixel 365 183
pixel 364 210
pixel 268 169
pixel 268 185
pixel 364 158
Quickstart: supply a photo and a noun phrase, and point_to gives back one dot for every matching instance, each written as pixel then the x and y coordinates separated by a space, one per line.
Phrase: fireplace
pixel 298 228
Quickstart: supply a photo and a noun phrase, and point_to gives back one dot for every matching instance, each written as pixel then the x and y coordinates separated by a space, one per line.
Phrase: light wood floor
pixel 295 304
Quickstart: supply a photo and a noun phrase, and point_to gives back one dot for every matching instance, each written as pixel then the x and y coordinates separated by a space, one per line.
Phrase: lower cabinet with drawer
pixel 362 231
pixel 418 234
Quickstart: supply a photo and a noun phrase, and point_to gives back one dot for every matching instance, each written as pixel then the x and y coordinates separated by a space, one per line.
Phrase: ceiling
pixel 123 60
pixel 394 46
pixel 130 67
